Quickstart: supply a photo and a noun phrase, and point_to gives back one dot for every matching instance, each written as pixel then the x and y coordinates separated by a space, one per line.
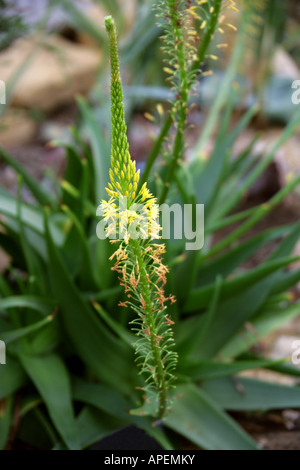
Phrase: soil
pixel 275 430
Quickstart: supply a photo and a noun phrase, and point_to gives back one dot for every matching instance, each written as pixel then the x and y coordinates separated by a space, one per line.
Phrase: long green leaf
pixel 199 298
pixel 213 370
pixel 264 323
pixel 262 165
pixel 100 151
pixel 252 394
pixel 200 419
pixel 50 376
pixel 231 315
pixel 94 425
pixel 11 336
pixel 258 215
pixel 41 305
pixel 110 359
pixel 12 377
pixel 42 196
pixel 229 261
pixel 111 402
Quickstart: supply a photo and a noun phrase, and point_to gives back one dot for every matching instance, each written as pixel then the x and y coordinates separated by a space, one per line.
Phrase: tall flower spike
pixel 138 260
pixel 123 169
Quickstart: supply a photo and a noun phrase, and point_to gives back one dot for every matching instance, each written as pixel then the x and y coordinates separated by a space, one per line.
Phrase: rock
pixel 284 65
pixel 97 12
pixel 283 347
pixel 56 70
pixel 32 13
pixel 16 119
pixel 291 418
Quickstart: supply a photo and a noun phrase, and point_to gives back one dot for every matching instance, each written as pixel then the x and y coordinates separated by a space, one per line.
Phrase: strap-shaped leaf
pixel 201 420
pixel 51 378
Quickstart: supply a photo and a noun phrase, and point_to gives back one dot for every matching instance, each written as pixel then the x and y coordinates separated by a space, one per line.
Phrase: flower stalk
pixel 190 26
pixel 138 257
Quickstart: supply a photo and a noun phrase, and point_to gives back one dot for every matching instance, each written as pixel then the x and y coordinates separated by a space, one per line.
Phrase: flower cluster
pixel 129 218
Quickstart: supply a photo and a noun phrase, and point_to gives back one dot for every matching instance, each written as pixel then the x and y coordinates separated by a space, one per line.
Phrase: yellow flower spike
pixel 145 287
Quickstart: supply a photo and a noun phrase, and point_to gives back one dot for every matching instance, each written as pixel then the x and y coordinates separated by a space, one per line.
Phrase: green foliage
pixel 11 27
pixel 70 357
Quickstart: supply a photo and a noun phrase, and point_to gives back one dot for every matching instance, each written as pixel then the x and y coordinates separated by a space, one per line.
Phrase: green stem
pixel 213 21
pixel 185 86
pixel 182 98
pixel 177 154
pixel 168 122
pixel 160 373
pixel 156 149
pixel 223 92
